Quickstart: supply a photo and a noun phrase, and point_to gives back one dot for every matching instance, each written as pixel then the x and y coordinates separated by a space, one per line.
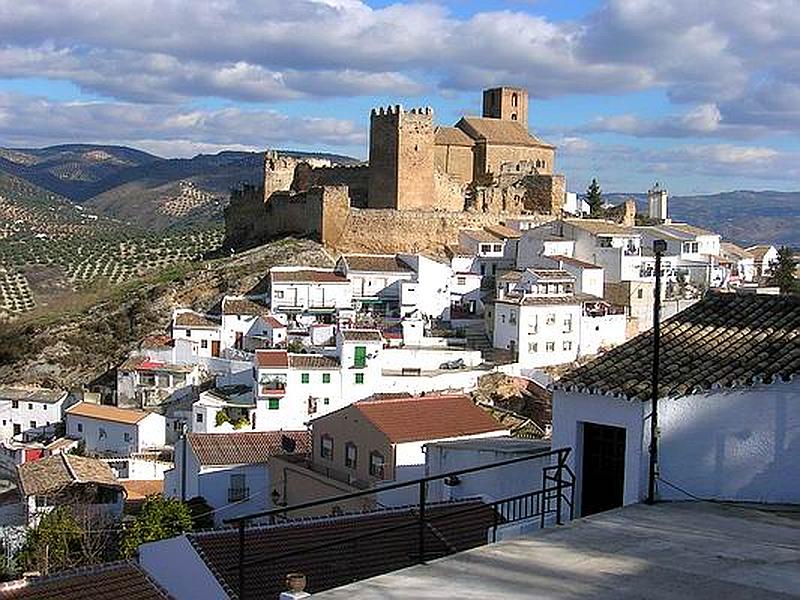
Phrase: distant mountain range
pixel 135 186
pixel 744 217
pixel 155 193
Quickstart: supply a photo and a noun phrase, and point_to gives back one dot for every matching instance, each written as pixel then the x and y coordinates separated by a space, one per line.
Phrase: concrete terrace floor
pixel 677 550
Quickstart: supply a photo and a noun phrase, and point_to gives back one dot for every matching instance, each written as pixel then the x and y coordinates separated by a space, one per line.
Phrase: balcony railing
pixel 430 530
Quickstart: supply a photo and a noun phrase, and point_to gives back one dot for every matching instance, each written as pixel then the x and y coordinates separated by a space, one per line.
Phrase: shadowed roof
pixel 102 582
pixel 193 319
pixel 376 263
pixel 52 473
pixel 499 131
pixel 726 340
pixel 452 136
pixel 247 447
pixel 306 276
pixel 423 418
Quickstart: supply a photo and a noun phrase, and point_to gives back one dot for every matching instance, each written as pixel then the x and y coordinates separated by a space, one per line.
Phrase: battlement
pixel 398 110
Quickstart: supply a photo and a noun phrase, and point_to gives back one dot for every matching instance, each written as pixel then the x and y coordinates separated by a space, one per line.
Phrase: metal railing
pixel 431 529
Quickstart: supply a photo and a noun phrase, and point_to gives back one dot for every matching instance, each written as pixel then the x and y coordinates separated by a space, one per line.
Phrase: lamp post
pixel 659 247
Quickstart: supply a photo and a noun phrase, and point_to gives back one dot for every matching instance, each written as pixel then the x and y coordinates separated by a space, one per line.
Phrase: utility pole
pixel 659 247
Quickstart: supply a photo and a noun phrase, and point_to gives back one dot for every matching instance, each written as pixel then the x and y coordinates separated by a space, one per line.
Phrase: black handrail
pixel 542 507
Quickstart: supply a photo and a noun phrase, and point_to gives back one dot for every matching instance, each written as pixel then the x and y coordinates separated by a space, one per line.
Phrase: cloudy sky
pixel 702 95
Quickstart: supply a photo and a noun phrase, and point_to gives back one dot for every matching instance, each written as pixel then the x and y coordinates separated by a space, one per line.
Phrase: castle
pixel 421 184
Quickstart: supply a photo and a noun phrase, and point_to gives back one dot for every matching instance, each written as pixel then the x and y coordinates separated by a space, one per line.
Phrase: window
pixel 101 434
pixel 502 318
pixel 486 248
pixel 567 345
pixel 551 318
pixel 512 317
pixel 279 294
pixel 640 294
pixel 376 464
pixel 238 489
pixel 497 248
pixel 4 422
pixel 326 378
pixel 533 347
pixel 188 333
pixel 17 429
pixel 690 247
pixel 204 343
pixel 350 455
pixel 198 417
pixel 604 242
pixel 80 427
pixel 514 116
pixel 461 280
pixel 360 358
pixel 126 437
pixel 326 446
pixel 274 404
pixel 305 378
pixel 359 378
pixel 15 404
pixel 326 401
pixel 148 379
pixel 550 346
pixel 513 100
pixel 33 424
pixel 568 324
pixel 44 406
pixel 30 406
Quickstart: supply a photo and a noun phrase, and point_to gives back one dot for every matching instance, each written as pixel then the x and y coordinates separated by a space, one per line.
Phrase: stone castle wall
pixel 355 177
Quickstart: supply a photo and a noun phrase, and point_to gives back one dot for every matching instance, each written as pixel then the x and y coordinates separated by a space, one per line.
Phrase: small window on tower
pixel 514 117
pixel 513 102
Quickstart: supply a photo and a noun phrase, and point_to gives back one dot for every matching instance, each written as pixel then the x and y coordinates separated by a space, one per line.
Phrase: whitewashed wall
pixel 175 566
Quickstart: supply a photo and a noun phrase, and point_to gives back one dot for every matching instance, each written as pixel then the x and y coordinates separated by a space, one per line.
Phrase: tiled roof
pixel 452 136
pixel 128 416
pixel 481 235
pixel 312 361
pixel 140 489
pixel 759 251
pixel 154 342
pixel 274 323
pixel 376 263
pixel 452 527
pixel 248 447
pixel 731 249
pixel 193 319
pixel 103 582
pixel 725 340
pixel 499 131
pixel 55 472
pixel 552 274
pixel 276 359
pixel 427 417
pixel 361 335
pixel 568 260
pixel 31 394
pixel 503 231
pixel 690 229
pixel 601 227
pixel 306 276
pixel 242 306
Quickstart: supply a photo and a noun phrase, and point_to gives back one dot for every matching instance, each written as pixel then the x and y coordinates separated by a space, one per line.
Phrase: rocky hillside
pixel 140 188
pixel 68 348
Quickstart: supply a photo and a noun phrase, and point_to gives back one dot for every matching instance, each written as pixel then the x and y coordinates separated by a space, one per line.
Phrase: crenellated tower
pixel 401 158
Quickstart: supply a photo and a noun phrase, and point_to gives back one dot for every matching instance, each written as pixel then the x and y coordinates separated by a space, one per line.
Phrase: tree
pixel 783 272
pixel 594 198
pixel 202 513
pixel 160 518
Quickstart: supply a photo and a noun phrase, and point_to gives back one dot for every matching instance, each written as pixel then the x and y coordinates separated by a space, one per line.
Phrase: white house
pixel 616 248
pixel 376 279
pixel 144 381
pixel 247 325
pixel 429 292
pixel 743 264
pixel 224 409
pixel 763 255
pixel 230 470
pixel 697 251
pixel 298 290
pixel 116 431
pixel 494 248
pixel 28 412
pixel 201 330
pixel 588 277
pixel 541 241
pixel 466 301
pixel 728 410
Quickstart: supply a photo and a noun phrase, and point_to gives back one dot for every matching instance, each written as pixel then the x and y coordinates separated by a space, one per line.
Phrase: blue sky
pixel 704 96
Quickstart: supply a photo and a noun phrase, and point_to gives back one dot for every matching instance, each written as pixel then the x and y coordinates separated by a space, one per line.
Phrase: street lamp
pixel 659 247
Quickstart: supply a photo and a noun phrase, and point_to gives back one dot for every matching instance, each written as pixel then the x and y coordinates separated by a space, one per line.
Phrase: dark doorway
pixel 603 468
pixel 214 348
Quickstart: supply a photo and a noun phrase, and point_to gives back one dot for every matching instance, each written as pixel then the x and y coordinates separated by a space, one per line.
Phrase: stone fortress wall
pixel 422 184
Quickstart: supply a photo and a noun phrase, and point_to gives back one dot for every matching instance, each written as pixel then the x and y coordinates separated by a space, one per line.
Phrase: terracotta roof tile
pixel 242 306
pixel 452 136
pixel 248 447
pixel 153 342
pixel 376 263
pixel 427 417
pixel 103 582
pixel 306 276
pixel 312 361
pixel 361 335
pixel 568 260
pixel 55 472
pixel 192 319
pixel 140 489
pixel 276 359
pixel 499 131
pixel 107 413
pixel 453 527
pixel 504 232
pixel 728 340
pixel 481 235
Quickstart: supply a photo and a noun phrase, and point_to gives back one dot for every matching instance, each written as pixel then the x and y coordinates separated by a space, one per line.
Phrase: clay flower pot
pixel 296 582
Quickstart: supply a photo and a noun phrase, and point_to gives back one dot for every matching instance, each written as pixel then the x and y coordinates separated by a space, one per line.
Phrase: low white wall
pixel 427 359
pixel 445 380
